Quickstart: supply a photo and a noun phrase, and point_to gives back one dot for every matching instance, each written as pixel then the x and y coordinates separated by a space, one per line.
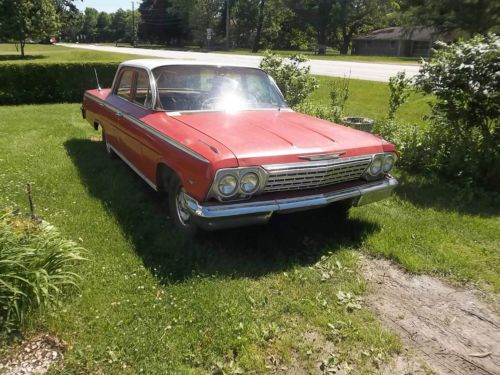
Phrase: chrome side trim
pixel 149 129
pixel 366 193
pixel 149 182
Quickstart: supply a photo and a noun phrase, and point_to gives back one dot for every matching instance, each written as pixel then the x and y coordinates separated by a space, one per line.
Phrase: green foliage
pixel 52 82
pixel 291 76
pixel 339 93
pixel 21 20
pixel 36 265
pixel 466 115
pixel 399 87
pixel 471 16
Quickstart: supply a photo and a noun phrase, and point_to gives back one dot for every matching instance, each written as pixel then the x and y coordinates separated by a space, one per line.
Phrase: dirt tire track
pixel 447 328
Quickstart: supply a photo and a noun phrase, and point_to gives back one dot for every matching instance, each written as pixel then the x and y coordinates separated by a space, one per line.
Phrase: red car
pixel 224 145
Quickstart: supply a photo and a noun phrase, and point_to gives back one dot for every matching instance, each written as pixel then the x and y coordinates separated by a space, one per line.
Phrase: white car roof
pixel 155 63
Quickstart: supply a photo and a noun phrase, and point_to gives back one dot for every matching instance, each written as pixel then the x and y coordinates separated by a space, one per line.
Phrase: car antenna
pixel 97 79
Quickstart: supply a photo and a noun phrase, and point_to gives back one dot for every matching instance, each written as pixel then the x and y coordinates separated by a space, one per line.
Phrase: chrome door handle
pixel 119 114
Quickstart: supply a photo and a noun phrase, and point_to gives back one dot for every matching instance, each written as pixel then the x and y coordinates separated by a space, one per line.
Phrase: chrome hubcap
pixel 182 209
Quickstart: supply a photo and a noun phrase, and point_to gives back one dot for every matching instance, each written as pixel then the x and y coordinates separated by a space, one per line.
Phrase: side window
pixel 125 84
pixel 142 94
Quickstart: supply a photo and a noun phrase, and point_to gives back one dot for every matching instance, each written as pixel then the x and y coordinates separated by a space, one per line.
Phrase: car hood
pixel 265 137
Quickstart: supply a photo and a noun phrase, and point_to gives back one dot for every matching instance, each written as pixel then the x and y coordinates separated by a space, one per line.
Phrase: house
pixel 398 41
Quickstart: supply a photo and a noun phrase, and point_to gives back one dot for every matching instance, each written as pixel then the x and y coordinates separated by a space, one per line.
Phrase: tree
pixel 351 17
pixel 199 15
pixel 159 22
pixel 120 28
pixel 260 23
pixel 27 19
pixel 103 26
pixel 91 16
pixel 471 16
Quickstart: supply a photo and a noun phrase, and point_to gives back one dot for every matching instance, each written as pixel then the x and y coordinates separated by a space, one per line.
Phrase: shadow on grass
pixel 20 58
pixel 288 240
pixel 433 192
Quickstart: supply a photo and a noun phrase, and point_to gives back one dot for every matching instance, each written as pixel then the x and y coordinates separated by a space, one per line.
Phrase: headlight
pixel 389 161
pixel 249 183
pixel 376 165
pixel 228 185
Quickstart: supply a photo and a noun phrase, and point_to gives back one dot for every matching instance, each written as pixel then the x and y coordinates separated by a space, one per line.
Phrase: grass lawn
pixel 50 53
pixel 254 298
pixel 371 99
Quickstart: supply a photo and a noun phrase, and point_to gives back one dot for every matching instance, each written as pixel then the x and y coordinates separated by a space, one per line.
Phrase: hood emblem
pixel 334 155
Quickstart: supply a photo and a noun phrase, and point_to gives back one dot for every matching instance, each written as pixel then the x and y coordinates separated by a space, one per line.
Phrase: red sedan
pixel 224 145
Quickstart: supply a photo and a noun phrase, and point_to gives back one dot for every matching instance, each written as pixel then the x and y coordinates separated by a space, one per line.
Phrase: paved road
pixel 359 70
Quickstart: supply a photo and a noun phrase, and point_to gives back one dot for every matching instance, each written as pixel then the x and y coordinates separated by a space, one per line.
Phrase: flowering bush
pixel 465 79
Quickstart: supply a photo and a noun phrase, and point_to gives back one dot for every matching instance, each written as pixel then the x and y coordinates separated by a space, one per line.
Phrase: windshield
pixel 212 88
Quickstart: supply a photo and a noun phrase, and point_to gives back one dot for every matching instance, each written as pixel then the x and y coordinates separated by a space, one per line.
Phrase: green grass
pixel 51 53
pixel 371 99
pixel 150 300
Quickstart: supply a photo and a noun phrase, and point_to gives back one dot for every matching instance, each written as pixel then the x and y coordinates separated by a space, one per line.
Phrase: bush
pixel 464 77
pixel 291 76
pixel 36 264
pixel 32 83
pixel 339 93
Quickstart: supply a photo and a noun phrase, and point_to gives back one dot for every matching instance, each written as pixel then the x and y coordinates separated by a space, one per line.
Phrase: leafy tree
pixel 159 23
pixel 351 17
pixel 471 16
pixel 22 20
pixel 103 26
pixel 91 16
pixel 317 14
pixel 199 15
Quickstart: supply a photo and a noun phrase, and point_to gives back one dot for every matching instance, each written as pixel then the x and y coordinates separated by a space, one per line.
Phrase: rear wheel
pixel 107 146
pixel 179 211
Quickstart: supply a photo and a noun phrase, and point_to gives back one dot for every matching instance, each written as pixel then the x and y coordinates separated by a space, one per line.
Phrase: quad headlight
pixel 389 161
pixel 227 185
pixel 237 183
pixel 381 164
pixel 249 183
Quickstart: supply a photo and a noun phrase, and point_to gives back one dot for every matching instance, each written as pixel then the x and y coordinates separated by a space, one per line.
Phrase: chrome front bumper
pixel 212 217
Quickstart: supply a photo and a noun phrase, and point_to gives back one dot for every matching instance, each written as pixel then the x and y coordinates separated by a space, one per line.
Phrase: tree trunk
pixel 21 44
pixel 322 41
pixel 260 23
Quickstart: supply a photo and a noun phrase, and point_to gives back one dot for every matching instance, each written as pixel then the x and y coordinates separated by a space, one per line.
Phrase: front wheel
pixel 179 212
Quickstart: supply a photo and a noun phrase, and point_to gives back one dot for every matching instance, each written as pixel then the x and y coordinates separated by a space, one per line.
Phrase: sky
pixel 105 5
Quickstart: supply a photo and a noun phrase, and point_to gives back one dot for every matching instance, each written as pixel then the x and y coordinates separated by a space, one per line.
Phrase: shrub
pixel 464 77
pixel 399 88
pixel 36 264
pixel 291 76
pixel 31 83
pixel 339 93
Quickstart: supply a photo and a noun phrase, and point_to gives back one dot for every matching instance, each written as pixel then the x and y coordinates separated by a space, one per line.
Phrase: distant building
pixel 398 41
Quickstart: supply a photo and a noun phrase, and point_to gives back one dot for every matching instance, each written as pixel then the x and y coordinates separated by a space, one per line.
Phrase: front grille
pixel 312 175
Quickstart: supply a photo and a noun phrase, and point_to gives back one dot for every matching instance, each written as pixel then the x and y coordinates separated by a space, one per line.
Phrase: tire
pixel 179 213
pixel 109 151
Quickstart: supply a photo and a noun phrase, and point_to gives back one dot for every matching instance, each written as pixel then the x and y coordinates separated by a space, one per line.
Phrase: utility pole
pixel 133 25
pixel 227 24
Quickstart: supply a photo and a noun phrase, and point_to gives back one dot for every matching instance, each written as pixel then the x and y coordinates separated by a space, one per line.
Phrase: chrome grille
pixel 314 174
